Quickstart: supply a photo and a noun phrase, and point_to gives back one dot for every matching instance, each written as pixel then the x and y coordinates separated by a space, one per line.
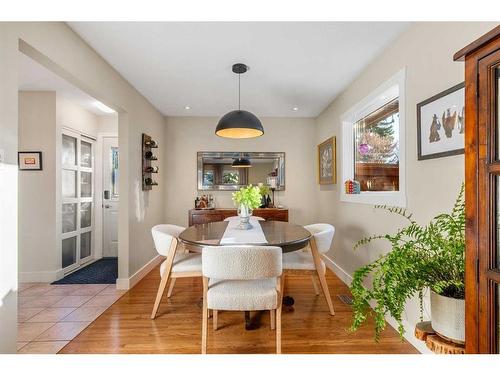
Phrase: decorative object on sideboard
pixel 205 202
pixel 264 193
pixel 327 162
pixel 352 187
pixel 238 123
pixel 246 199
pixel 30 160
pixel 272 181
pixel 148 170
pixel 441 124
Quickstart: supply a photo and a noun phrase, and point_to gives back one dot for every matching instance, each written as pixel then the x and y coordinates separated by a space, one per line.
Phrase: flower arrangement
pixel 248 196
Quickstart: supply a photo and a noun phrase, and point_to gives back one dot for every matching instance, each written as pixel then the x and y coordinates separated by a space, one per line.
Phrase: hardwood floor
pixel 126 326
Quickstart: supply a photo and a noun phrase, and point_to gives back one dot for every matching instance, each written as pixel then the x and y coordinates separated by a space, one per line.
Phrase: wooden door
pixel 482 185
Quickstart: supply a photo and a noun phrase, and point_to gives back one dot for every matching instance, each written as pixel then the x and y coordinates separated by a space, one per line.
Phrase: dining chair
pixel 308 260
pixel 179 262
pixel 242 278
pixel 230 218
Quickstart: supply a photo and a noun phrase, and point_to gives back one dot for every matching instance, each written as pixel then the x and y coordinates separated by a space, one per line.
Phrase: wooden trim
pixel 478 43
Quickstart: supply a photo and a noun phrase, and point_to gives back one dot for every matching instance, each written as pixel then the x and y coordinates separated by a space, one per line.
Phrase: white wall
pixel 426 50
pixel 185 136
pixel 38 259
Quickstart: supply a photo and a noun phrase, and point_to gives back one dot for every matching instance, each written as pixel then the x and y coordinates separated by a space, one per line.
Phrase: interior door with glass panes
pixel 77 179
pixel 110 176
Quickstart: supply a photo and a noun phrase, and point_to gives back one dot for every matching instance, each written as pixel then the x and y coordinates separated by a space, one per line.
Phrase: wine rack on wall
pixel 148 156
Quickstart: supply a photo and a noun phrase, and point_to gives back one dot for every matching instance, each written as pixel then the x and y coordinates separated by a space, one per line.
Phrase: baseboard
pixel 409 328
pixel 38 276
pixel 128 283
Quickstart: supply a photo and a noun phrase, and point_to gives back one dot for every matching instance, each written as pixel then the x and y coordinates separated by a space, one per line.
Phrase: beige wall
pixel 426 50
pixel 185 136
pixel 108 124
pixel 37 189
pixel 70 115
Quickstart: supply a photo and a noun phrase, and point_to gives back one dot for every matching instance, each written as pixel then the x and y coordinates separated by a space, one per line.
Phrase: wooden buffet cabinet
pixel 219 214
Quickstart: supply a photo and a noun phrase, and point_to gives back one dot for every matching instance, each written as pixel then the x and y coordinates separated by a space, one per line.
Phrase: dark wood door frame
pixel 480 170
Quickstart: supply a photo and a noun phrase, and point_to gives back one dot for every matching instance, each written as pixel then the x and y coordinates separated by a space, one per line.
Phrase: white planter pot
pixel 448 317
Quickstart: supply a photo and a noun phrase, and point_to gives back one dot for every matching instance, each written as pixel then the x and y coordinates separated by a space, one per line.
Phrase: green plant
pixel 264 190
pixel 431 256
pixel 248 196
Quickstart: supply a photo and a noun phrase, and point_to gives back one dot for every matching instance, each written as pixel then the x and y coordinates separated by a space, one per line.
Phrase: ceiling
pixel 302 65
pixel 35 77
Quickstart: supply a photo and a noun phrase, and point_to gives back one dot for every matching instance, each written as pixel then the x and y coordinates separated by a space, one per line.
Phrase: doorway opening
pixel 68 211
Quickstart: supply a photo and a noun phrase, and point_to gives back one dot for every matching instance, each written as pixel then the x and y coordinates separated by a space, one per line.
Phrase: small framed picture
pixel 29 160
pixel 327 162
pixel 441 124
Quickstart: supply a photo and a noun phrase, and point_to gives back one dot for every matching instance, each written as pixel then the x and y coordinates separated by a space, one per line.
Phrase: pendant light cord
pixel 239 92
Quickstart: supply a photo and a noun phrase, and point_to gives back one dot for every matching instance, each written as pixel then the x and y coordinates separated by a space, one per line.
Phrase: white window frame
pixel 388 91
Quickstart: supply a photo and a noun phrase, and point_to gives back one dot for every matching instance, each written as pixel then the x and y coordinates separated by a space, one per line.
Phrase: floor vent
pixel 345 298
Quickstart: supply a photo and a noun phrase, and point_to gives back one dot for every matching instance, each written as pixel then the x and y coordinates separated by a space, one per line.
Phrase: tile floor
pixel 49 316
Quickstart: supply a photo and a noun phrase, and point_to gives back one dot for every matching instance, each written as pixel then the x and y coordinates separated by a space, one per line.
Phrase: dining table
pixel 289 237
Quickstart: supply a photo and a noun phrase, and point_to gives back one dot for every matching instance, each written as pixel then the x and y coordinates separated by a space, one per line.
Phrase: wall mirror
pixel 232 170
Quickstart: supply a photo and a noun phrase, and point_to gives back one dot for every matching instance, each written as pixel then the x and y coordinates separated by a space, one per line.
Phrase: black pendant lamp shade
pixel 239 123
pixel 241 163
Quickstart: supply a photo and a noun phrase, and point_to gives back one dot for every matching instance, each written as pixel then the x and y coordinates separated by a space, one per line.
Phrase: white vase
pixel 244 213
pixel 448 317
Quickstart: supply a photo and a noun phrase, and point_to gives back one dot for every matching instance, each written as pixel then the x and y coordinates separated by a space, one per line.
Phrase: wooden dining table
pixel 289 237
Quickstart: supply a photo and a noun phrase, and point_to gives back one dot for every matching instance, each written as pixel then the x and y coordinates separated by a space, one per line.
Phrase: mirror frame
pixel 251 155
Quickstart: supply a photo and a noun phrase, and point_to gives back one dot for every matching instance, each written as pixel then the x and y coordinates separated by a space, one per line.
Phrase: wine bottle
pixel 149 156
pixel 149 182
pixel 151 144
pixel 151 169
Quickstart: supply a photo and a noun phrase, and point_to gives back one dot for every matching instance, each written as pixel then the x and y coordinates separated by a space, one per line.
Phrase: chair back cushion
pixel 323 235
pixel 241 262
pixel 163 235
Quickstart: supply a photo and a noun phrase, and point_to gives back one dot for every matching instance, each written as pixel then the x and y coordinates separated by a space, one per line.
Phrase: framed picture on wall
pixel 327 162
pixel 29 160
pixel 441 124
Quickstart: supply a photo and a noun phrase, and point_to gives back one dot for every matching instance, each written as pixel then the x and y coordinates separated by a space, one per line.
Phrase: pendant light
pixel 239 123
pixel 241 163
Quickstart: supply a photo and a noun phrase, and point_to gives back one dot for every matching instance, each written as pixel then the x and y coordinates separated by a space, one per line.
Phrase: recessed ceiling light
pixel 187 107
pixel 295 108
pixel 104 108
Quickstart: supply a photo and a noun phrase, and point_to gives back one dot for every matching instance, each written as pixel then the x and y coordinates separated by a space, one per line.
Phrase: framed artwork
pixel 441 124
pixel 29 160
pixel 327 162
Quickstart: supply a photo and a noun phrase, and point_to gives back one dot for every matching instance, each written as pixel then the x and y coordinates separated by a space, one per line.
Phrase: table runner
pixel 232 235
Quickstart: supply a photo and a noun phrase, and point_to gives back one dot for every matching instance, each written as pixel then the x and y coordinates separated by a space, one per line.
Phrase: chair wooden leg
pixel 204 324
pixel 216 315
pixel 159 295
pixel 321 274
pixel 315 284
pixel 171 287
pixel 272 314
pixel 278 313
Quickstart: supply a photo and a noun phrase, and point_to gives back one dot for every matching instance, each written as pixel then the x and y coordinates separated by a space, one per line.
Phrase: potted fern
pixel 430 256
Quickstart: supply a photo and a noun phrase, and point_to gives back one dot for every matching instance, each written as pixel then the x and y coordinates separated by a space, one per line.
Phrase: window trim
pixel 389 90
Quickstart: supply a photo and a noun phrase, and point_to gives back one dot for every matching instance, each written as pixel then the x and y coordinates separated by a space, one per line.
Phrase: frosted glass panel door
pixel 77 180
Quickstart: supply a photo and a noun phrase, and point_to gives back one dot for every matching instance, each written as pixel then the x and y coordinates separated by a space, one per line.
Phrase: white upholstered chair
pixel 242 278
pixel 179 262
pixel 308 260
pixel 237 218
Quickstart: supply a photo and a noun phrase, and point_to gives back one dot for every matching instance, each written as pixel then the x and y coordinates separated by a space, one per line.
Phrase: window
pixel 373 146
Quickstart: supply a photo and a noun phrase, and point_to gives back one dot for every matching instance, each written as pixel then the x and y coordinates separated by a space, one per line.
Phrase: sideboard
pixel 219 214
